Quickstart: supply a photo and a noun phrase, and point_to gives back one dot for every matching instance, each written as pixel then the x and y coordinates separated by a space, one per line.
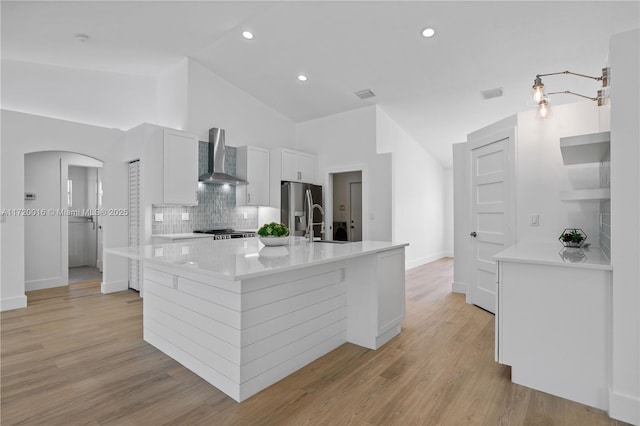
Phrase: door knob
pixel 474 234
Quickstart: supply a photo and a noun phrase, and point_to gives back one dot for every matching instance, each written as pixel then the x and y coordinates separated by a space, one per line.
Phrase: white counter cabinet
pixel 243 316
pixel 553 320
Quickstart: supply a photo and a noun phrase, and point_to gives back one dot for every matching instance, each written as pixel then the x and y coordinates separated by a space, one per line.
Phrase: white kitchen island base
pixel 246 333
pixel 553 322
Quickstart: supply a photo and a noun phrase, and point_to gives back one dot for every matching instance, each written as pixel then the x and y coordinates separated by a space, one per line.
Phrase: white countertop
pixel 243 258
pixel 183 236
pixel 555 255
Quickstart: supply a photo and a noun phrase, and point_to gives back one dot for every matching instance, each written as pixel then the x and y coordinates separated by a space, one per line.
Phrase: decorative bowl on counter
pixel 274 234
pixel 573 237
pixel 274 241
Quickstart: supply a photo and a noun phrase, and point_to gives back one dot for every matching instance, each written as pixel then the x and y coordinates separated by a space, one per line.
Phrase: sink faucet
pixel 310 209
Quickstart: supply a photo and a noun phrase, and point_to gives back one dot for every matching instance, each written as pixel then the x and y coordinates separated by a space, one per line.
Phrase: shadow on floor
pixel 84 273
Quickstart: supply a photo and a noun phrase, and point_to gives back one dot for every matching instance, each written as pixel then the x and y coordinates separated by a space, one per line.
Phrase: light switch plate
pixel 185 249
pixel 535 220
pixel 158 251
pixel 158 217
pixel 185 216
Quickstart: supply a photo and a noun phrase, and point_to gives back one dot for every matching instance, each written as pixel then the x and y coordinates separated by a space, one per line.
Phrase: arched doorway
pixel 63 191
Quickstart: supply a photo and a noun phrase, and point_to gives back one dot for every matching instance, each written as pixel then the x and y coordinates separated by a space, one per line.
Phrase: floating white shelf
pixel 586 194
pixel 583 149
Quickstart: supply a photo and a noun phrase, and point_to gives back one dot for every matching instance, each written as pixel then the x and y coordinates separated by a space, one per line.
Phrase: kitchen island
pixel 243 316
pixel 553 320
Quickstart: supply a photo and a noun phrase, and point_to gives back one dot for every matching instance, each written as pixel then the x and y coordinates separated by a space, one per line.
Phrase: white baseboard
pixel 423 260
pixel 624 407
pixel 459 288
pixel 11 303
pixel 114 286
pixel 46 283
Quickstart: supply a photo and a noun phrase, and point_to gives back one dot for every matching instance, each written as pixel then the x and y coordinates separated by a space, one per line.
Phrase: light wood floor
pixel 75 356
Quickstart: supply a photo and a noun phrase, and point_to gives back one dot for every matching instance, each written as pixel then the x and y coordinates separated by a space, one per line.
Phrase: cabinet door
pixel 258 177
pixel 390 275
pixel 180 176
pixel 307 167
pixel 290 169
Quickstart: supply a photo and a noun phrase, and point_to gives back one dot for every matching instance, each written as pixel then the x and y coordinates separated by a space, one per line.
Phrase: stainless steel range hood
pixel 215 171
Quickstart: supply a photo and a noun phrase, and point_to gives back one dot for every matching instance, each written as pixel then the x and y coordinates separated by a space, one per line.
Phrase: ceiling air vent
pixel 365 94
pixel 492 93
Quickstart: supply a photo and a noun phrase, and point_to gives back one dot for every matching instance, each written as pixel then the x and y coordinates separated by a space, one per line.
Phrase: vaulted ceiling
pixel 430 86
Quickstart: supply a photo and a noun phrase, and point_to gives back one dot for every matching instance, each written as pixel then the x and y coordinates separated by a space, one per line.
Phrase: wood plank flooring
pixel 75 356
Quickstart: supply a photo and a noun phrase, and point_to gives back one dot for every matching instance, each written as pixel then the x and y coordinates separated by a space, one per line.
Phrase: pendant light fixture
pixel 542 99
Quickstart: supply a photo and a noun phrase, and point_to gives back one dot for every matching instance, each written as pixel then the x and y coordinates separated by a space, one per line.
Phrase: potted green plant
pixel 273 234
pixel 573 237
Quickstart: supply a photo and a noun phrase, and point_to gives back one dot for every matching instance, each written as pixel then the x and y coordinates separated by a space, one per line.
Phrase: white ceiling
pixel 430 87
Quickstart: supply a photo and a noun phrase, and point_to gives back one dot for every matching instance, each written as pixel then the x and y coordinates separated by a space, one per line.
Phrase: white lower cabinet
pixel 376 316
pixel 553 327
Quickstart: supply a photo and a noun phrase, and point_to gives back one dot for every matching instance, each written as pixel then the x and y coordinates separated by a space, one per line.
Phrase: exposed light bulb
pixel 302 78
pixel 544 110
pixel 247 34
pixel 538 90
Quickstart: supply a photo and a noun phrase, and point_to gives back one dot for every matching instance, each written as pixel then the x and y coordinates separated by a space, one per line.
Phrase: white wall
pixel 347 142
pixel 172 96
pixel 448 239
pixel 542 175
pixel 43 234
pixel 24 133
pixel 214 102
pixel 418 193
pixel 94 97
pixel 624 401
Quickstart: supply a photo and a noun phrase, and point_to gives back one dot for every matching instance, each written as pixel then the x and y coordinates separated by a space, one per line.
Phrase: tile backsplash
pixel 216 204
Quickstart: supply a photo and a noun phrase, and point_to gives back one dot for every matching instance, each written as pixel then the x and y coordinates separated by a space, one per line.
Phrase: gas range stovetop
pixel 226 234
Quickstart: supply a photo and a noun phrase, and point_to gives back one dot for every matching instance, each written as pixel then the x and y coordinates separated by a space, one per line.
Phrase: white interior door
pixel 355 201
pixel 492 212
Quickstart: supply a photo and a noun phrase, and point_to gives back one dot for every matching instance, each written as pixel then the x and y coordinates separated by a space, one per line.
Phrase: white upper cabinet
pixel 252 165
pixel 168 166
pixel 296 166
pixel 180 168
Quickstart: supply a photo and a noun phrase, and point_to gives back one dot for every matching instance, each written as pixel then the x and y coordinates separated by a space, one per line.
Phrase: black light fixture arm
pixel 571 73
pixel 569 92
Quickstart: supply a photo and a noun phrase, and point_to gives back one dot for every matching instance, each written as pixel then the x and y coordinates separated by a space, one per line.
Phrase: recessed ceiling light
pixel 247 34
pixel 302 78
pixel 428 32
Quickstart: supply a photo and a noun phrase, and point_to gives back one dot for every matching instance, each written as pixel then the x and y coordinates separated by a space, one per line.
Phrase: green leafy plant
pixel 574 237
pixel 273 229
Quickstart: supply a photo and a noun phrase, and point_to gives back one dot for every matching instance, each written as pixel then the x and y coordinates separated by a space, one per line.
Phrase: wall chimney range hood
pixel 216 171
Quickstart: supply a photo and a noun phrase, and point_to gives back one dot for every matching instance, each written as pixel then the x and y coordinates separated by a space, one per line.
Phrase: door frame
pixel 351 210
pixel 328 196
pixel 510 203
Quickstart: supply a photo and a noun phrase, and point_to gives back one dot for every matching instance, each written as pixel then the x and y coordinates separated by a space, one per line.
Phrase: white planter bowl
pixel 274 241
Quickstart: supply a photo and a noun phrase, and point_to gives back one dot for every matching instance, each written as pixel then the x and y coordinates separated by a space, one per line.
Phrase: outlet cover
pixel 185 216
pixel 158 217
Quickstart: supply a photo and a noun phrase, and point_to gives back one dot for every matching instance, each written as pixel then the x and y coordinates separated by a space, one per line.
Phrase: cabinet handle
pixel 248 198
pixel 474 234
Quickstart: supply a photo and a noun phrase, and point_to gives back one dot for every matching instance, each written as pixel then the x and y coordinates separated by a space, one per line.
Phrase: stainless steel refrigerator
pixel 293 211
